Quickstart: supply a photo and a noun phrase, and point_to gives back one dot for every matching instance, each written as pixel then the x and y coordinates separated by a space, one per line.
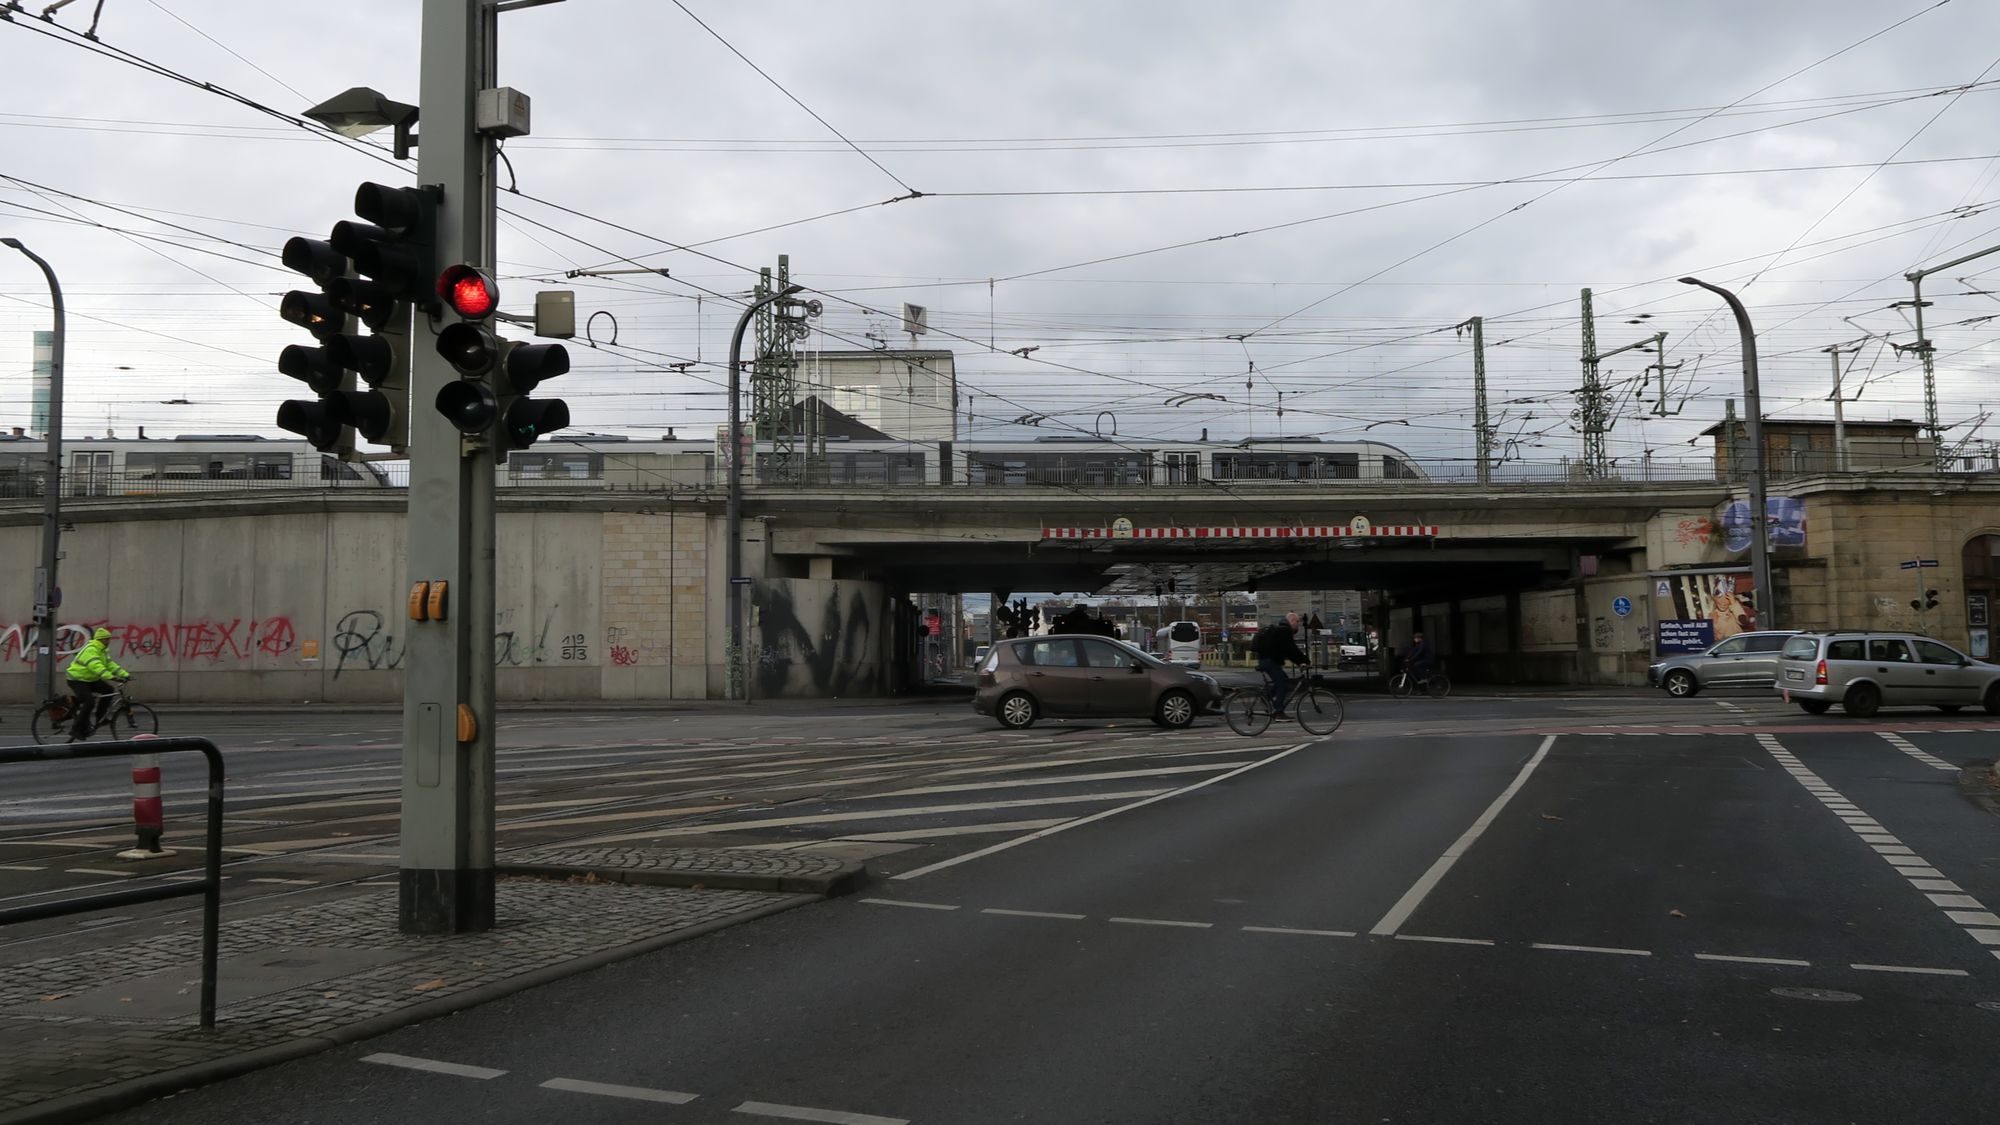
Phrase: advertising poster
pixel 1784 516
pixel 1693 611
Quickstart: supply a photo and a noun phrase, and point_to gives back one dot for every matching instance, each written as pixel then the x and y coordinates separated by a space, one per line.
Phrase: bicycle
pixel 124 716
pixel 1249 710
pixel 1436 685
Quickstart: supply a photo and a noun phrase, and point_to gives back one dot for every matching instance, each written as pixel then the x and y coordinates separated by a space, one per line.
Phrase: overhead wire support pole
pixel 734 654
pixel 1839 408
pixel 1482 428
pixel 1926 352
pixel 46 596
pixel 1590 401
pixel 1753 424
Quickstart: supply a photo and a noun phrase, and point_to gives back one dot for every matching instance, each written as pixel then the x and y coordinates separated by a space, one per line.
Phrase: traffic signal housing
pixel 1928 602
pixel 496 376
pixel 370 274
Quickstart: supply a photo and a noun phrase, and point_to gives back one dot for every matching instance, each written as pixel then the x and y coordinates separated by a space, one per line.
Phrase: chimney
pixel 670 434
pixel 19 432
pixel 1204 433
pixel 142 433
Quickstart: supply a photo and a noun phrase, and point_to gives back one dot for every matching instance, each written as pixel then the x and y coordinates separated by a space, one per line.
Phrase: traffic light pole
pixel 446 883
pixel 45 595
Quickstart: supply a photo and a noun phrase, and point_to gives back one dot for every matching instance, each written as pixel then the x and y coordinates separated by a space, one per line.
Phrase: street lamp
pixel 46 594
pixel 360 111
pixel 735 506
pixel 1753 425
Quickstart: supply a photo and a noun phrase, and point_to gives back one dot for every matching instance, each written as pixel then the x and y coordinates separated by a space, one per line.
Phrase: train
pixel 225 462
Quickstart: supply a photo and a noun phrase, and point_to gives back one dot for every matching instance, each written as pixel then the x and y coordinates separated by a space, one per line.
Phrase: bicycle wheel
pixel 50 719
pixel 1400 685
pixel 1318 710
pixel 134 718
pixel 1438 685
pixel 1248 711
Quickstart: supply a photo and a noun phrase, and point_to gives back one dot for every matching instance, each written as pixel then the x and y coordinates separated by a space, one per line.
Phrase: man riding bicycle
pixel 1275 644
pixel 1421 660
pixel 90 676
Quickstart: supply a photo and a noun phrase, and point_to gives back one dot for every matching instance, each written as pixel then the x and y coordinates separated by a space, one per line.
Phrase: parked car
pixel 1864 672
pixel 1744 660
pixel 1031 678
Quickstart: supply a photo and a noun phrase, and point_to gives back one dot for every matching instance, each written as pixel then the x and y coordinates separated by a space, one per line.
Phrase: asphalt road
pixel 1597 910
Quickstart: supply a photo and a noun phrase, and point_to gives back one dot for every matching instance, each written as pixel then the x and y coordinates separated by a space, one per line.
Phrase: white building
pixel 908 395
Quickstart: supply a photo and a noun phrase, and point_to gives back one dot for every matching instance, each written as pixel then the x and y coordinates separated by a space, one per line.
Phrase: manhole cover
pixel 1990 1005
pixel 1829 995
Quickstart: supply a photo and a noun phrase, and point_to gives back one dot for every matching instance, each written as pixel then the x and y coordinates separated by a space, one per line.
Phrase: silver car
pixel 1744 660
pixel 1864 672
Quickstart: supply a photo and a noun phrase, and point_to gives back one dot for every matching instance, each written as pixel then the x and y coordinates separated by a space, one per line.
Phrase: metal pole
pixel 739 680
pixel 1753 424
pixel 1923 347
pixel 446 863
pixel 45 608
pixel 1839 413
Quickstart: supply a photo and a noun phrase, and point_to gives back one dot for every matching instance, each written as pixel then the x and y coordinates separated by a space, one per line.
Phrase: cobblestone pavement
pixel 693 861
pixel 93 1018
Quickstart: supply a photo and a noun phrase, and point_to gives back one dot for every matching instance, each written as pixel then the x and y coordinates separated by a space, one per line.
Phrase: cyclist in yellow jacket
pixel 88 675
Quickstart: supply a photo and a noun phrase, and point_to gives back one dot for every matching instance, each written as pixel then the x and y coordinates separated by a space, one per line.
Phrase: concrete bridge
pixel 288 594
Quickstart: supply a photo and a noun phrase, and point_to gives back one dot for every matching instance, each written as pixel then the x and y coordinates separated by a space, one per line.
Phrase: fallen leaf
pixel 428 985
pixel 329 995
pixel 1675 914
pixel 55 996
pixel 1550 816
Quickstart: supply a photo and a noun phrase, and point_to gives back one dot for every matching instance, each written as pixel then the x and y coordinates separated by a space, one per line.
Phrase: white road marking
pixel 20 867
pixel 1163 922
pixel 1033 914
pixel 1973 917
pixel 1444 940
pixel 287 882
pixel 908 903
pixel 1025 782
pixel 1752 960
pixel 1956 902
pixel 1910 748
pixel 1935 885
pixel 1414 897
pixel 807 1113
pixel 711 828
pixel 1303 933
pixel 98 871
pixel 632 1093
pixel 1094 817
pixel 1910 969
pixel 1590 949
pixel 956 830
pixel 411 1062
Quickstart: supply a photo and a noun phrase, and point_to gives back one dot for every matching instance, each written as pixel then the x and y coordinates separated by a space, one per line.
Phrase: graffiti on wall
pixel 203 641
pixel 835 655
pixel 363 641
pixel 629 650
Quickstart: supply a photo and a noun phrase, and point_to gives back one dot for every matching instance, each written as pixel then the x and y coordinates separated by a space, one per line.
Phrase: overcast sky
pixel 1736 149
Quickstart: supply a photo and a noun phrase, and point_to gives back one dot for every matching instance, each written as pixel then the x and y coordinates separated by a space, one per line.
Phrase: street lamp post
pixel 735 505
pixel 45 592
pixel 1753 425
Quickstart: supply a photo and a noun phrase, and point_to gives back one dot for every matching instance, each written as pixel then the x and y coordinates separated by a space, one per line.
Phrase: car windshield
pixel 1140 654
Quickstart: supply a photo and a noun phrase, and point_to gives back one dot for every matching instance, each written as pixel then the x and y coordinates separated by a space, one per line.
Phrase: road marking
pixel 98 871
pixel 1910 969
pixel 1065 779
pixel 1414 897
pixel 20 867
pixel 633 1093
pixel 1444 940
pixel 1910 748
pixel 1163 922
pixel 1752 960
pixel 713 827
pixel 1728 706
pixel 1960 909
pixel 433 1066
pixel 1033 914
pixel 807 1113
pixel 288 882
pixel 1590 949
pixel 1094 817
pixel 910 904
pixel 1303 933
pixel 956 830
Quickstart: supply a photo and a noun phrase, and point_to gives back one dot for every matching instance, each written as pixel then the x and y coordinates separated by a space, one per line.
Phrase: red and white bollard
pixel 148 817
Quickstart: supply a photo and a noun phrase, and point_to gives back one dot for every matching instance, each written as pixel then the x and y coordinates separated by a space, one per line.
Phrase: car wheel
pixel 1176 709
pixel 1016 711
pixel 1862 701
pixel 1951 708
pixel 1814 706
pixel 1680 683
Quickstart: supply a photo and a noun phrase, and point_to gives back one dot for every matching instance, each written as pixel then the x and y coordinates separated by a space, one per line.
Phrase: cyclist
pixel 1275 644
pixel 88 675
pixel 1421 660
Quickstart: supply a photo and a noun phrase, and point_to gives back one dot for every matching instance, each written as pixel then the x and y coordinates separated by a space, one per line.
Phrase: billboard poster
pixel 1693 611
pixel 1784 516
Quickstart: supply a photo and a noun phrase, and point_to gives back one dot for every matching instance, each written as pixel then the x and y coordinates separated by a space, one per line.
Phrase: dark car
pixel 1030 678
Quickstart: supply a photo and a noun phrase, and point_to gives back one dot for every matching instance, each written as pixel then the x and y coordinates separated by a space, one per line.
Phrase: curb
pixel 88 1104
pixel 1981 783
pixel 849 878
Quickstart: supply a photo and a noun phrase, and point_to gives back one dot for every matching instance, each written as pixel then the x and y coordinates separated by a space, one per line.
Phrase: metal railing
pixel 210 884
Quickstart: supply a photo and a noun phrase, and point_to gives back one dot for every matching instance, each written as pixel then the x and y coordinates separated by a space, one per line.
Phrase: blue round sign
pixel 1622 606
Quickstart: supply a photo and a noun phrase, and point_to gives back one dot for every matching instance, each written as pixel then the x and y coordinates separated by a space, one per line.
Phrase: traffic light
pixel 495 375
pixel 1928 602
pixel 372 274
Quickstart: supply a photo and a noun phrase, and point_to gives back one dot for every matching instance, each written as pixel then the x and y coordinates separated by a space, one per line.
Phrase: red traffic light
pixel 470 293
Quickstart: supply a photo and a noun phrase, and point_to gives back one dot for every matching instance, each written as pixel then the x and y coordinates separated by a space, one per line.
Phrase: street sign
pixel 1913 564
pixel 1622 606
pixel 743 581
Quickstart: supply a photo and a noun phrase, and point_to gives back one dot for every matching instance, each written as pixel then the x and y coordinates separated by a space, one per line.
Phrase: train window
pixel 333 468
pixel 1395 468
pixel 558 466
pixel 271 466
pixel 1342 466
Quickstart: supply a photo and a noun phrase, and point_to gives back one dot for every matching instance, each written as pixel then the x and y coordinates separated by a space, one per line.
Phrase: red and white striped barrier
pixel 1323 531
pixel 148 815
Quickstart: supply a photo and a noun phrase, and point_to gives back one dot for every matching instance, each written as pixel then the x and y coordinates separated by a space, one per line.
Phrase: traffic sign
pixel 1622 606
pixel 1913 564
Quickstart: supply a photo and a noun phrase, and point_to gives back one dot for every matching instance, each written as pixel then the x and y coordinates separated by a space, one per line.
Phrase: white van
pixel 1180 643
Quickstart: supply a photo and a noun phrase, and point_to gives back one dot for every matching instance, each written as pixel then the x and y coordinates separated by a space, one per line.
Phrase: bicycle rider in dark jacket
pixel 1422 658
pixel 1275 644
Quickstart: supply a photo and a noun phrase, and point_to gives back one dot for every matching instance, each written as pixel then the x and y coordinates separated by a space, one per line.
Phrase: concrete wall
pixel 819 639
